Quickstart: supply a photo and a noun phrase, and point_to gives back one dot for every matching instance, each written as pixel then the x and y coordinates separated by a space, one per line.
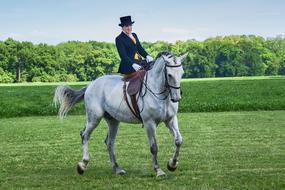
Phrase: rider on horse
pixel 130 49
pixel 103 99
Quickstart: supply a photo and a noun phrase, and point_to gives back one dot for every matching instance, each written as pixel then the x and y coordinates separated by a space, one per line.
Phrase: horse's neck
pixel 156 78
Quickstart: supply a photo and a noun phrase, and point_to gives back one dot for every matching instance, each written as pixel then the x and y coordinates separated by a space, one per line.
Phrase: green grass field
pixel 242 148
pixel 199 95
pixel 224 150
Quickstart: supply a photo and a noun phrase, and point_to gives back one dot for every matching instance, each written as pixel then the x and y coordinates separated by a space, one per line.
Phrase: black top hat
pixel 126 20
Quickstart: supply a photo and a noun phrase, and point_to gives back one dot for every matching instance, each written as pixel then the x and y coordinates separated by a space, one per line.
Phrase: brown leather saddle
pixel 132 89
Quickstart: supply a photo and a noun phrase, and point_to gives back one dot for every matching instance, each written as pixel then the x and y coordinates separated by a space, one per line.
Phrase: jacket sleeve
pixel 122 52
pixel 141 50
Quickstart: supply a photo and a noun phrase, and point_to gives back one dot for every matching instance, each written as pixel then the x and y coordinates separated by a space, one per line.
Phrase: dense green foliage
pixel 199 95
pixel 85 61
pixel 227 150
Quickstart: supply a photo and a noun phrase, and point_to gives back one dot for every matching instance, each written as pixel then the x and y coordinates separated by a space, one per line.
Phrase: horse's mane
pixel 163 53
pixel 150 65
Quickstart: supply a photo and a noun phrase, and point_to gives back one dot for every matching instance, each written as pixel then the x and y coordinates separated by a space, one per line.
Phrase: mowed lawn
pixel 221 150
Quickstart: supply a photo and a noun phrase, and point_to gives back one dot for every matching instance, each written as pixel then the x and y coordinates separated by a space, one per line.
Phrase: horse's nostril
pixel 174 100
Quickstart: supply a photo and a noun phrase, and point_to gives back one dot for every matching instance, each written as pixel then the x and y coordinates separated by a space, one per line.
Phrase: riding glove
pixel 136 66
pixel 149 58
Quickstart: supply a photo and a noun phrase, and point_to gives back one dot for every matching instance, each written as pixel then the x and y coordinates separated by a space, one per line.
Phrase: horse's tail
pixel 65 97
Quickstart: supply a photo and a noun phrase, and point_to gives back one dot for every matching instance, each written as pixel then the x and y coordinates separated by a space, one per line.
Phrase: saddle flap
pixel 135 82
pixel 134 87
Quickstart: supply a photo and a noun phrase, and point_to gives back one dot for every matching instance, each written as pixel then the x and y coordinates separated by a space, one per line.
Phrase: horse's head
pixel 173 74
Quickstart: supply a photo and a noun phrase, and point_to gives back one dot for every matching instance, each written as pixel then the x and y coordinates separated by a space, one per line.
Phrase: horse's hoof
pixel 160 173
pixel 171 168
pixel 81 168
pixel 119 171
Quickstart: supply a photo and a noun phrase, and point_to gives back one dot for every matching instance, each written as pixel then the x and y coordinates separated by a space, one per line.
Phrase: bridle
pixel 166 81
pixel 166 88
pixel 167 85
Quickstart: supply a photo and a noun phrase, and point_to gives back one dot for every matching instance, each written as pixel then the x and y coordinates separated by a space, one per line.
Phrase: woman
pixel 130 49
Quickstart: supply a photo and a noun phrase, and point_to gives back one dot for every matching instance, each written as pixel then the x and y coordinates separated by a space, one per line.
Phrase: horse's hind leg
pixel 91 124
pixel 110 142
pixel 174 129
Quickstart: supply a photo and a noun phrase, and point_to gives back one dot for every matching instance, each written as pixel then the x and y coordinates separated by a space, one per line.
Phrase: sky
pixel 56 21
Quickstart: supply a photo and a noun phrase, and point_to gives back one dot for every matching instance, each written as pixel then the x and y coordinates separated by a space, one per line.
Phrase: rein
pixel 167 85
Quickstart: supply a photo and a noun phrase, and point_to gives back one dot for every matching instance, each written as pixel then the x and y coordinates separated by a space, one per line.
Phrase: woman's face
pixel 128 29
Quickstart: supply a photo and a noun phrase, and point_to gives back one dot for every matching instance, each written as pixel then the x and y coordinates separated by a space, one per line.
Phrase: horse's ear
pixel 165 58
pixel 183 57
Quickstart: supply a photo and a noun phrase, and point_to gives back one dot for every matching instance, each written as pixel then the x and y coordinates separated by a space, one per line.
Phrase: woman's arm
pixel 122 51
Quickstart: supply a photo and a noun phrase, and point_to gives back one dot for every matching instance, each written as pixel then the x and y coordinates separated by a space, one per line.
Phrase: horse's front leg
pixel 172 124
pixel 151 133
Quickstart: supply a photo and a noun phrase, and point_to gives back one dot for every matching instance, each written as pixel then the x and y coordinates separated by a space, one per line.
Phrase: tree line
pixel 243 55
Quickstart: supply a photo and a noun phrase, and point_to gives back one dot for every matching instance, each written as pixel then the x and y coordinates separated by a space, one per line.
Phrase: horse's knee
pixel 84 134
pixel 178 142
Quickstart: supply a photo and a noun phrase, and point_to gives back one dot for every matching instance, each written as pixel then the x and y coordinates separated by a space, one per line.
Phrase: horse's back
pixel 106 81
pixel 110 78
pixel 104 86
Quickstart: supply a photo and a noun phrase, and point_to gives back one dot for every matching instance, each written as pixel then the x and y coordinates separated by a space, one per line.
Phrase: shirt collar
pixel 130 35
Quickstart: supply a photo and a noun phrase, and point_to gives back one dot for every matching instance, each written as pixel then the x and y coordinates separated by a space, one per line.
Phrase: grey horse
pixel 104 99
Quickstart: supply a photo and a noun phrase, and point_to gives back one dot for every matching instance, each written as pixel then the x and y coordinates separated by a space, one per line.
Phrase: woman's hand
pixel 136 66
pixel 149 58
